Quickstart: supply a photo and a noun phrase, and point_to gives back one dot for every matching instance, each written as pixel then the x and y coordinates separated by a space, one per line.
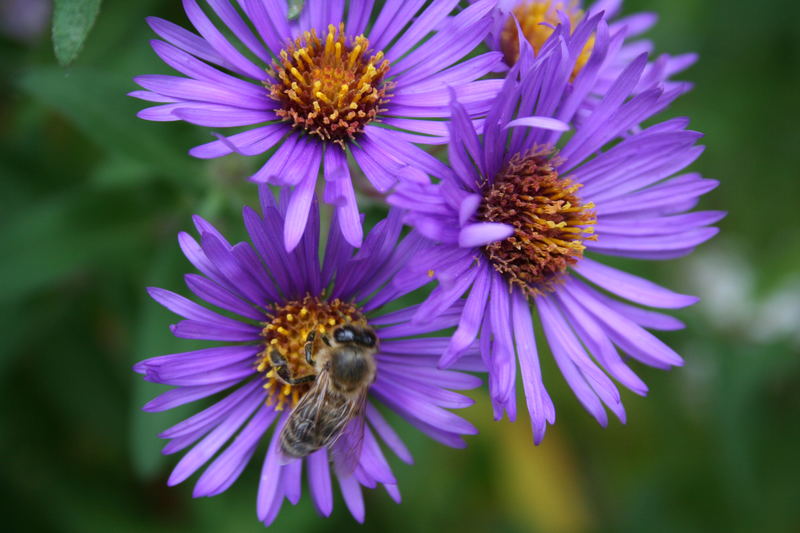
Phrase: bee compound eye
pixel 367 339
pixel 344 334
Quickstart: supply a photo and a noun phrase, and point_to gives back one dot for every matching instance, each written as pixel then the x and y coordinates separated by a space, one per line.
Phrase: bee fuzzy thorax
pixel 286 332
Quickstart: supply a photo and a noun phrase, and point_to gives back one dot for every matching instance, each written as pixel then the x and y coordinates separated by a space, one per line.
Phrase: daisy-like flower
pixel 364 81
pixel 536 21
pixel 520 209
pixel 268 301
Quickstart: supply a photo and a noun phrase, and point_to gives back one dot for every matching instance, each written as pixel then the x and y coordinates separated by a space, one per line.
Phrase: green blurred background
pixel 92 199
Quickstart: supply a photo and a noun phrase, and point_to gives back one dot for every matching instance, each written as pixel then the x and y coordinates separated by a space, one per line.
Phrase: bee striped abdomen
pixel 314 423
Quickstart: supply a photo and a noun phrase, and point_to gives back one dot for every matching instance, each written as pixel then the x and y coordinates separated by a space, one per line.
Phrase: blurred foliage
pixel 92 199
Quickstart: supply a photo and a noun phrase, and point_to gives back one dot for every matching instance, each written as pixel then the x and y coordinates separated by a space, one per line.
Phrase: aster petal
pixel 226 12
pixel 337 252
pixel 416 405
pixel 469 206
pixel 269 485
pixel 635 24
pixel 220 356
pixel 149 96
pixel 444 296
pixel 207 447
pixel 384 141
pixel 319 482
pixel 226 468
pixel 251 142
pixel 347 214
pixel 458 74
pixel 291 479
pixel 422 25
pixel 358 15
pixel 212 373
pixel 504 367
pixel 540 406
pixel 353 498
pixel 634 340
pixel 608 7
pixel 394 374
pixel 586 381
pixel 599 345
pixel 470 322
pixel 388 434
pixel 161 113
pixel 182 395
pixel 631 287
pixel 237 274
pixel 638 162
pixel 210 416
pixel 547 123
pixel 183 306
pixel 659 225
pixel 373 461
pixel 482 233
pixel 643 317
pixel 269 18
pixel 458 38
pixel 186 40
pixel 212 331
pixel 580 145
pixel 299 206
pixel 428 346
pixel 187 64
pixel 381 176
pixel 652 247
pixel 391 20
pixel 660 198
pixel 263 235
pixel 215 38
pixel 223 116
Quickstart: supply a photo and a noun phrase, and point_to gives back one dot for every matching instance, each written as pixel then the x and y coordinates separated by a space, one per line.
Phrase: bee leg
pixel 282 369
pixel 310 349
pixel 283 373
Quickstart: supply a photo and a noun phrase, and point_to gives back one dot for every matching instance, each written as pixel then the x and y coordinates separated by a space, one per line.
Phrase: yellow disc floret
pixel 537 20
pixel 550 222
pixel 331 87
pixel 286 331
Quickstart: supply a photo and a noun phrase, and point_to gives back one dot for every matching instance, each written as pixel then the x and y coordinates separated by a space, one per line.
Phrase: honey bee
pixel 344 368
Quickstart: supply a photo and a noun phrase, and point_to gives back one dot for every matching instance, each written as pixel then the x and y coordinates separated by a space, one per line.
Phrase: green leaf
pixel 295 7
pixel 72 20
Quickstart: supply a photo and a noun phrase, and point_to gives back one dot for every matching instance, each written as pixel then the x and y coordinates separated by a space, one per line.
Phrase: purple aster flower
pixel 365 81
pixel 537 19
pixel 520 210
pixel 269 300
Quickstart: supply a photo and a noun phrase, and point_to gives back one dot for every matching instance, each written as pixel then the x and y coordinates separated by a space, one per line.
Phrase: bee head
pixel 348 334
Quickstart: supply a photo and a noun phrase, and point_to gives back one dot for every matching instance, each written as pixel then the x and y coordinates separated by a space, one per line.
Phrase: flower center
pixel 550 221
pixel 537 20
pixel 331 88
pixel 286 331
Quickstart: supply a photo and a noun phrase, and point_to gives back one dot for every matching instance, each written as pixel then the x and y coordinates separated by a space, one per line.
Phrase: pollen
pixel 286 330
pixel 537 20
pixel 330 86
pixel 550 221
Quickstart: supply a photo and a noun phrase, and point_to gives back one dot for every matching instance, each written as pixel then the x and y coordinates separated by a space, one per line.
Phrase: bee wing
pixel 303 424
pixel 346 450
